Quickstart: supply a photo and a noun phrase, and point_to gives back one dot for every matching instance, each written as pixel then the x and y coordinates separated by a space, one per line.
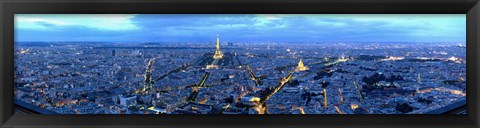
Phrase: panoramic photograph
pixel 240 63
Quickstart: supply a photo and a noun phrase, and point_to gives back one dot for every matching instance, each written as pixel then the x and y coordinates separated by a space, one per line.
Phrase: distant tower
pixel 113 52
pixel 419 79
pixel 341 96
pixel 218 53
pixel 301 67
pixel 325 98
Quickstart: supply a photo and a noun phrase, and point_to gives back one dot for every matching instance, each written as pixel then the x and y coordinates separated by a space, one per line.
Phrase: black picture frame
pixel 469 7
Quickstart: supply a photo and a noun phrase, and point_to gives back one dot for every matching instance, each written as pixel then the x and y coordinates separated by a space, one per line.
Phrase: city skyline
pixel 231 73
pixel 241 27
pixel 369 79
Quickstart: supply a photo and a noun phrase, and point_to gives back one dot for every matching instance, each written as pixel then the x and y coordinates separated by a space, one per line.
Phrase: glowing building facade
pixel 301 67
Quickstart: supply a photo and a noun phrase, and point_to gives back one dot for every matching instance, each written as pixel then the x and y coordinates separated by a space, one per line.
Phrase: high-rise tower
pixel 218 53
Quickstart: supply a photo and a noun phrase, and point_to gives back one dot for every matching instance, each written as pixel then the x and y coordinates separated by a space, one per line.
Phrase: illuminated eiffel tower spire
pixel 218 44
pixel 218 53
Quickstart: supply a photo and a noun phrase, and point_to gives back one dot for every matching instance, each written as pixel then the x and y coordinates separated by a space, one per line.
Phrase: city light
pixel 256 73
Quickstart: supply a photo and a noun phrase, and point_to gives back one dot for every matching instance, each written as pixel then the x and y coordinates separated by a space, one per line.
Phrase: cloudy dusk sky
pixel 241 27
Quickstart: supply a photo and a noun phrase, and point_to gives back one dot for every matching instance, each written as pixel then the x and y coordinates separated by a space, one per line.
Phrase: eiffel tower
pixel 218 53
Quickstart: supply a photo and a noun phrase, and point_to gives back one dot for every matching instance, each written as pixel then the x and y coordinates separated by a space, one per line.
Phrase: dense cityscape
pixel 220 77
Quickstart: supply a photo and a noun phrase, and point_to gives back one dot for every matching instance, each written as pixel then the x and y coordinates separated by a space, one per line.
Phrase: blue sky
pixel 242 27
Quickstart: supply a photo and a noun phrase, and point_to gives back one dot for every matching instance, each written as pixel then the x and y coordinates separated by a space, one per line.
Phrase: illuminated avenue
pixel 239 77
